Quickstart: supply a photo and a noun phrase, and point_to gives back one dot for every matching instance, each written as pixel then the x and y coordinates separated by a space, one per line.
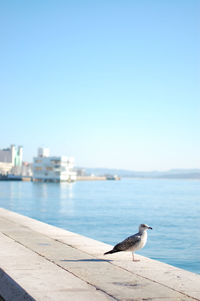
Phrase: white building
pixel 10 158
pixel 25 170
pixel 52 168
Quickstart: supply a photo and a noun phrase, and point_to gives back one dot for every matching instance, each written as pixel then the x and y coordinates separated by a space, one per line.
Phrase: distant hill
pixel 170 174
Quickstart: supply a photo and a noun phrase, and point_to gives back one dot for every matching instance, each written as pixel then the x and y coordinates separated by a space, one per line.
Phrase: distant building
pixel 80 172
pixel 25 170
pixel 10 158
pixel 53 168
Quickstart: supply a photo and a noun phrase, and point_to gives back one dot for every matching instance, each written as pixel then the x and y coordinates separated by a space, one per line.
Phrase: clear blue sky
pixel 113 83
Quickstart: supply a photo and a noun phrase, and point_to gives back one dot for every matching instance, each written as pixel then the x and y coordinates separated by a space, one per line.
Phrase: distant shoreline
pixel 123 173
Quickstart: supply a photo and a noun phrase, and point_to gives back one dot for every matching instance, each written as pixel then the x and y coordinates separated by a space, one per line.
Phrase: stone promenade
pixel 41 262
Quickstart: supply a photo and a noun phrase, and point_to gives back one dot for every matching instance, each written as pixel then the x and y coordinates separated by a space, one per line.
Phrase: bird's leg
pixel 133 257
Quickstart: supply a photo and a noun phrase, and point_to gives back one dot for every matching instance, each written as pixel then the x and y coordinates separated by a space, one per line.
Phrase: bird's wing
pixel 128 243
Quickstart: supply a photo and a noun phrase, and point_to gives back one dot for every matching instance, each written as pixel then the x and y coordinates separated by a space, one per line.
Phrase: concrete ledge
pixel 43 262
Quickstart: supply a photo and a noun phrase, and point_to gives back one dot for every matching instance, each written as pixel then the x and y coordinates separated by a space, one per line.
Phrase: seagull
pixel 132 243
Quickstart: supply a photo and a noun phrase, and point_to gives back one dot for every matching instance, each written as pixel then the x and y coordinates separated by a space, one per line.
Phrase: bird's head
pixel 144 227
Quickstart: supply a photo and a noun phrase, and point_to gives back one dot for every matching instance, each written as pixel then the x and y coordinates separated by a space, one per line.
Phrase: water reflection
pixel 59 194
pixel 66 190
pixel 40 190
pixel 66 199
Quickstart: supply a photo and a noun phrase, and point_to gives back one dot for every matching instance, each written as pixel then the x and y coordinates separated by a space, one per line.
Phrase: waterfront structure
pixel 48 168
pixel 38 273
pixel 26 170
pixel 10 158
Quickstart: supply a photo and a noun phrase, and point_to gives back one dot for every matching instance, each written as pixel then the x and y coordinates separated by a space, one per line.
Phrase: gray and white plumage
pixel 132 243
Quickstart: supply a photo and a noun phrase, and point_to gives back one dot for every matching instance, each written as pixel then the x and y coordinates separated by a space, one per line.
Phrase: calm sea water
pixel 110 211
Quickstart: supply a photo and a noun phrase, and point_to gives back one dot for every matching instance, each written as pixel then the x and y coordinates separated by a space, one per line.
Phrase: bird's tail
pixel 110 252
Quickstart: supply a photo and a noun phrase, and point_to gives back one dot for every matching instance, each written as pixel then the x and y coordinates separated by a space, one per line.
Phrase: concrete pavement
pixel 43 262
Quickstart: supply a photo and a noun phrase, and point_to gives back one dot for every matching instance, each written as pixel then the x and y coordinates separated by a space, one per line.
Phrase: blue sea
pixel 110 211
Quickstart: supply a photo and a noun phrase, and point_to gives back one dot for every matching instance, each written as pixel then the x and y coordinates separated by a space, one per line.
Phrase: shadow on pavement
pixel 86 260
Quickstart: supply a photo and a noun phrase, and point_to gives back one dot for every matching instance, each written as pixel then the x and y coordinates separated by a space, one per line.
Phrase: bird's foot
pixel 136 260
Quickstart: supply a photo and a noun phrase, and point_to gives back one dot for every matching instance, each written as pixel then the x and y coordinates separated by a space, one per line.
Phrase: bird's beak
pixel 150 228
